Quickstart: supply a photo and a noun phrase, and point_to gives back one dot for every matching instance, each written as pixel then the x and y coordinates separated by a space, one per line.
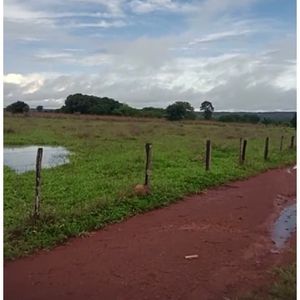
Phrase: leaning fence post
pixel 208 155
pixel 266 152
pixel 38 182
pixel 241 150
pixel 281 143
pixel 244 151
pixel 148 148
pixel 292 142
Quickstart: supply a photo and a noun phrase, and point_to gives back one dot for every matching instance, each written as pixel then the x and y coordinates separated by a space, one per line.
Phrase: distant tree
pixel 230 118
pixel 208 109
pixel 294 121
pixel 39 108
pixel 180 110
pixel 251 118
pixel 152 112
pixel 240 118
pixel 126 110
pixel 266 121
pixel 18 107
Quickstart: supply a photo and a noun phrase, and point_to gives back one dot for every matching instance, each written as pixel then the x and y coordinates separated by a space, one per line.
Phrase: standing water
pixel 23 159
pixel 284 226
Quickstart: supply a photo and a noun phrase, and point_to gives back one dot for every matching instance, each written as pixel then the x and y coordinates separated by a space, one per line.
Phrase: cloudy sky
pixel 238 54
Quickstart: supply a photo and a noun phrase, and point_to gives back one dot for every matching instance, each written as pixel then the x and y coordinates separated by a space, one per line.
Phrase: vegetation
pixel 179 111
pixel 208 109
pixel 283 287
pixel 239 118
pixel 294 121
pixel 107 160
pixel 18 107
pixel 270 118
pixel 153 112
pixel 39 108
pixel 86 104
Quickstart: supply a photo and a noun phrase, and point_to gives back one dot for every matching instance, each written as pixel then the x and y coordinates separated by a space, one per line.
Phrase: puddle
pixel 284 226
pixel 23 159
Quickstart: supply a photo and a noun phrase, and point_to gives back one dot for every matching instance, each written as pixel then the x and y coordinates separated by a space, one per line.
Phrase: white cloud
pixel 19 12
pixel 287 79
pixel 221 36
pixel 28 84
pixel 53 55
pixel 213 7
pixel 101 24
pixel 231 81
pixel 97 59
pixel 147 6
pixel 211 54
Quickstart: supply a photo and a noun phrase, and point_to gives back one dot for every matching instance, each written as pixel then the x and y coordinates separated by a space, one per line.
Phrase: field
pixel 108 160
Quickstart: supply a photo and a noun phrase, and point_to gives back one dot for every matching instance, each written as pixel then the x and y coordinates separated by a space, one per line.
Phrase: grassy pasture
pixel 108 160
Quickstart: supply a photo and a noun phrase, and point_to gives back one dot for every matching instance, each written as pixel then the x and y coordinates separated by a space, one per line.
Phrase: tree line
pixel 88 104
pixel 179 110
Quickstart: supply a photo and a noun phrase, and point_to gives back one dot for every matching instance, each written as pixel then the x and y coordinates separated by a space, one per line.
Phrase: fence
pixel 148 166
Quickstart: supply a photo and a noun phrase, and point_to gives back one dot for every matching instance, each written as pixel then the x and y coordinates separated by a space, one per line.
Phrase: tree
pixel 39 108
pixel 86 104
pixel 126 110
pixel 152 112
pixel 180 110
pixel 208 109
pixel 18 107
pixel 294 121
pixel 266 121
pixel 241 118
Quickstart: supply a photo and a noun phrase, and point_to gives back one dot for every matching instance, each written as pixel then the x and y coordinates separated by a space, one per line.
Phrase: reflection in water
pixel 284 226
pixel 23 159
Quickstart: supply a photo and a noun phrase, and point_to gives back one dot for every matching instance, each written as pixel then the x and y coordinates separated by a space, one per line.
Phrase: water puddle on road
pixel 284 226
pixel 23 159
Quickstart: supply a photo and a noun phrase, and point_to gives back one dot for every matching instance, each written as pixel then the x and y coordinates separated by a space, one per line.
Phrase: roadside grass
pixel 107 160
pixel 283 287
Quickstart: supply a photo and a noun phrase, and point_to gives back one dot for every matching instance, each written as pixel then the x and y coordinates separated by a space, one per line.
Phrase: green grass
pixel 284 286
pixel 107 161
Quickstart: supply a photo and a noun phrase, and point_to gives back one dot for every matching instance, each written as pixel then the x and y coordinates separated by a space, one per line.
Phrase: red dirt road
pixel 144 257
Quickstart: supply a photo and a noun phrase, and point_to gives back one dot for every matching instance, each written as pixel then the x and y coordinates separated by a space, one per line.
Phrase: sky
pixel 238 54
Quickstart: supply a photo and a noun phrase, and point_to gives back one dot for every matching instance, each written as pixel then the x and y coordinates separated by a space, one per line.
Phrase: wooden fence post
pixel 281 143
pixel 148 148
pixel 266 152
pixel 244 151
pixel 38 182
pixel 241 150
pixel 292 142
pixel 208 155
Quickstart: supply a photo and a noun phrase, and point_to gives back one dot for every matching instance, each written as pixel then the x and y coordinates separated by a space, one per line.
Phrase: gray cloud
pixel 219 60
